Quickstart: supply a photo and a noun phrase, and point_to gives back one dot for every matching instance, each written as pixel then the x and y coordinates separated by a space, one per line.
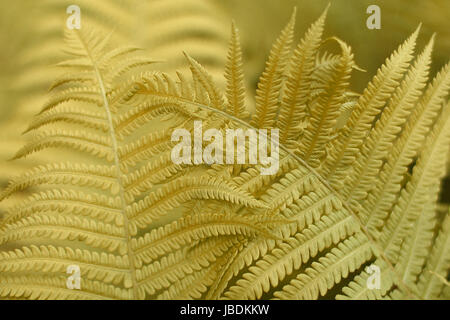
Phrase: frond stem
pixel 374 242
pixel 117 165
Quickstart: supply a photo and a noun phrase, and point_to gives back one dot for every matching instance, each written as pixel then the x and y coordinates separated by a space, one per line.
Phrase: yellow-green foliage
pixel 167 27
pixel 358 182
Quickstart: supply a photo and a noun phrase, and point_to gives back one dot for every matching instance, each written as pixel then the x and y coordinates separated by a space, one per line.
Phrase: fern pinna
pixel 201 29
pixel 357 185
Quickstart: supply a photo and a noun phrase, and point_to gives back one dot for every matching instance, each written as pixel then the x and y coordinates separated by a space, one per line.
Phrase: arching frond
pixel 270 81
pixel 293 105
pixel 356 189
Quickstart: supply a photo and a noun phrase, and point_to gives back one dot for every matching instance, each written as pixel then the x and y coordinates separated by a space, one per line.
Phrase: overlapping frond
pixel 357 185
pixel 293 106
pixel 368 107
pixel 100 205
pixel 432 280
pixel 235 77
pixel 270 82
pixel 325 108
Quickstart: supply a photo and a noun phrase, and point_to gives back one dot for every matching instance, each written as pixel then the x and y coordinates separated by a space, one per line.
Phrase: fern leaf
pixel 416 247
pixel 171 269
pixel 381 198
pixel 97 235
pixel 325 110
pixel 235 76
pixel 270 82
pixel 95 145
pixel 70 113
pixel 429 282
pixel 60 202
pixel 395 114
pixel 55 288
pixel 368 106
pixel 182 190
pixel 293 106
pixel 429 170
pixel 206 82
pixel 101 177
pixel 359 290
pixel 141 227
pixel 103 267
pixel 192 228
pixel 329 270
pixel 289 256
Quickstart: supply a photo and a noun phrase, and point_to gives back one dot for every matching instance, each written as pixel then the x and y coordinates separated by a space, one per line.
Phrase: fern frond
pixel 290 187
pixel 196 285
pixel 155 172
pixel 270 81
pixel 92 144
pixel 101 177
pixel 77 94
pixel 193 228
pixel 146 147
pixel 252 180
pixel 316 280
pixel 103 267
pixel 367 108
pixel 325 109
pixel 142 227
pixel 359 290
pixel 430 168
pixel 134 119
pixel 206 82
pixel 290 255
pixel 415 248
pixel 379 201
pixel 157 204
pixel 81 78
pixel 171 269
pixel 235 76
pixel 60 202
pixel 70 113
pixel 380 140
pixel 55 288
pixel 95 234
pixel 429 283
pixel 293 105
